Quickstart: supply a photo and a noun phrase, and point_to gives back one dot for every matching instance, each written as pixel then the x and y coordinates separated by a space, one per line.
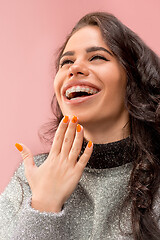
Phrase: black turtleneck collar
pixel 110 155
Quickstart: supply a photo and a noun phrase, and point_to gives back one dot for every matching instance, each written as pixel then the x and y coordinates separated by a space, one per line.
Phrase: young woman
pixel 101 178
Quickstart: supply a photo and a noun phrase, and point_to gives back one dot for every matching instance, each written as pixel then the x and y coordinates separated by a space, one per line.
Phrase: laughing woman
pixel 101 178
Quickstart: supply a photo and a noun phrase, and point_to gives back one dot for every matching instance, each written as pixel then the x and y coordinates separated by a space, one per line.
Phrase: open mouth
pixel 80 91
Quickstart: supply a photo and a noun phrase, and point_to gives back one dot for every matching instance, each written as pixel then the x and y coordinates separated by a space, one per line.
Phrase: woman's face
pixel 90 82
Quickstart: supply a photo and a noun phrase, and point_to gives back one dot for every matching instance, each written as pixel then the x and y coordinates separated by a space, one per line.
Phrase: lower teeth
pixel 75 98
pixel 80 97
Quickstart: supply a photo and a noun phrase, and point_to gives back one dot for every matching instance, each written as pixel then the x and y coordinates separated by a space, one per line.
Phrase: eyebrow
pixel 90 49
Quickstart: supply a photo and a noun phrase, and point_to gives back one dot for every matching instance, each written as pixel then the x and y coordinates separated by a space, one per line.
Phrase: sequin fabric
pixel 110 155
pixel 91 213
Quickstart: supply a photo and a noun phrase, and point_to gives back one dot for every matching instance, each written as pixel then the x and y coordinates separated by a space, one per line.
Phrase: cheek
pixel 114 80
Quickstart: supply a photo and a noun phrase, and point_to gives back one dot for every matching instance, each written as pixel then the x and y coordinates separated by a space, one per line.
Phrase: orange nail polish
pixel 89 144
pixel 74 119
pixel 65 120
pixel 19 147
pixel 78 128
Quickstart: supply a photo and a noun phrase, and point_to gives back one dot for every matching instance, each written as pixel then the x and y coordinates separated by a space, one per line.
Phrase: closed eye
pixel 67 61
pixel 96 57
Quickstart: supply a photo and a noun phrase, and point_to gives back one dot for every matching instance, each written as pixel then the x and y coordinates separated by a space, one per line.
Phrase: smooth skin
pixel 104 116
pixel 54 181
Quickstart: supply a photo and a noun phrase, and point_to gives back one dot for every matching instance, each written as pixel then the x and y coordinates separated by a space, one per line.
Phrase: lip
pixel 80 99
pixel 78 83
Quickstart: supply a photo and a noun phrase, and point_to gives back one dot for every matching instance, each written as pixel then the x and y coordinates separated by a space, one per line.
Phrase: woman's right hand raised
pixel 54 181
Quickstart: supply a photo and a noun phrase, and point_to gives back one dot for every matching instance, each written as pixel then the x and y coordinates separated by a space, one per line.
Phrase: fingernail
pixel 19 147
pixel 65 120
pixel 74 119
pixel 89 144
pixel 78 128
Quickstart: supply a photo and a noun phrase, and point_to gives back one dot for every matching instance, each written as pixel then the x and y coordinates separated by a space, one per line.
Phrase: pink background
pixel 30 32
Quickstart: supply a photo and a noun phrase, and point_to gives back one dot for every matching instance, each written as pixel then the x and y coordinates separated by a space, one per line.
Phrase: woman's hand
pixel 54 181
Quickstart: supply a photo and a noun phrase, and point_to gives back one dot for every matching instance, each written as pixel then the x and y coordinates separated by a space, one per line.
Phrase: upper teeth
pixel 80 89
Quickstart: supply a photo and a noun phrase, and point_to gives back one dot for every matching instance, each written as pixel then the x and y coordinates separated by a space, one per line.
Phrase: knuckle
pixel 81 165
pixel 57 137
pixel 26 155
pixel 75 150
pixel 67 140
pixel 85 155
pixel 51 158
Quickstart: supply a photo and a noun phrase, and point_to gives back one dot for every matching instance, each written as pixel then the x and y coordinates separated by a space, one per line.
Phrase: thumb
pixel 26 155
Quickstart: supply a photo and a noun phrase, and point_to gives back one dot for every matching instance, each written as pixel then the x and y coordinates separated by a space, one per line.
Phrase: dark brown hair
pixel 142 100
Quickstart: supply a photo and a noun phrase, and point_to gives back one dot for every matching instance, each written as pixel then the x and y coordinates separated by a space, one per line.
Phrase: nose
pixel 78 69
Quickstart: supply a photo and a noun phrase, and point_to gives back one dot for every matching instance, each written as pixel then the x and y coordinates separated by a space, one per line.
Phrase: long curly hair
pixel 142 100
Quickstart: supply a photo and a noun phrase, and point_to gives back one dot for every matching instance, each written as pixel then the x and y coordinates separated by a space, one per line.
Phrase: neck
pixel 101 134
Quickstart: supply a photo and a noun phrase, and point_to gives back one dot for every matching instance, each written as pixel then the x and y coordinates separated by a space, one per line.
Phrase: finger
pixel 59 136
pixel 26 155
pixel 82 162
pixel 77 145
pixel 69 137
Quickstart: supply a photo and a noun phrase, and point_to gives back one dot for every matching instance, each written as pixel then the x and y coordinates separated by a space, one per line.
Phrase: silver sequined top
pixel 91 213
